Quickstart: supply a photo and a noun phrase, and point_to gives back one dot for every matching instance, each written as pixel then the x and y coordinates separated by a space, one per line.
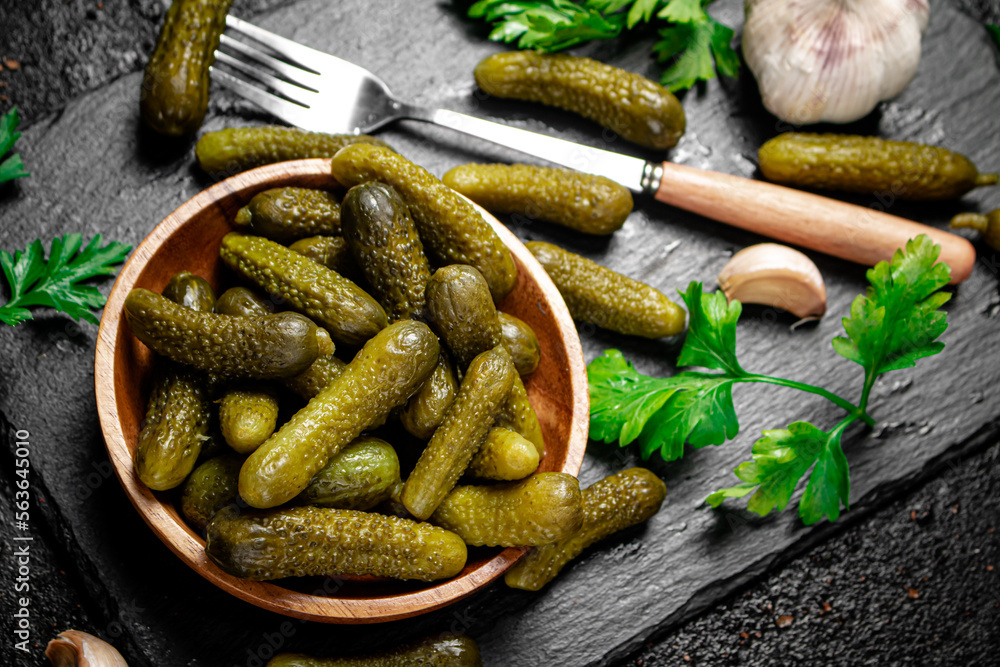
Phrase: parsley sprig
pixel 897 322
pixel 35 281
pixel 696 44
pixel 12 167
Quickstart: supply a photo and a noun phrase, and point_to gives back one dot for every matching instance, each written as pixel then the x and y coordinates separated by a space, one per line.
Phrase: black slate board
pixel 94 171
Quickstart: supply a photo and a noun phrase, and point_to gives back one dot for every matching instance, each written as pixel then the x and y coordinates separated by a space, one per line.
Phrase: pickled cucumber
pixel 344 309
pixel 451 229
pixel 628 104
pixel 248 415
pixel 615 503
pixel 190 291
pixel 265 347
pixel 330 251
pixel 520 341
pixel 241 302
pixel 235 149
pixel 314 379
pixel 319 541
pixel 584 202
pixel 484 389
pixel 447 650
pixel 869 165
pixel 988 225
pixel 384 242
pixel 175 84
pixel 461 311
pixel 608 299
pixel 518 415
pixel 362 475
pixel 385 373
pixel 209 488
pixel 542 509
pixel 504 455
pixel 287 214
pixel 426 408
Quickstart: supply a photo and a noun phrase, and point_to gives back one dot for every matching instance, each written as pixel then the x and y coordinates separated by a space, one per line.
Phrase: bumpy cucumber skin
pixel 242 302
pixel 517 414
pixel 584 202
pixel 520 341
pixel 542 509
pixel 426 408
pixel 175 84
pixel 384 242
pixel 209 488
pixel 317 377
pixel 628 104
pixel 452 230
pixel 504 455
pixel 248 415
pixel 608 299
pixel 867 165
pixel 237 149
pixel 384 374
pixel 349 313
pixel 449 650
pixel 288 214
pixel 361 475
pixel 190 291
pixel 261 348
pixel 484 389
pixel 461 311
pixel 330 251
pixel 319 541
pixel 613 504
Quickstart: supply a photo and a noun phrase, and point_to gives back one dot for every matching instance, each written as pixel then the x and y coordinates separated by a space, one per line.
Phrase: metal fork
pixel 322 93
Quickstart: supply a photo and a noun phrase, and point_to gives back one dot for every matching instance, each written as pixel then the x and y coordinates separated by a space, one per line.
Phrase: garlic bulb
pixel 832 60
pixel 73 648
pixel 775 275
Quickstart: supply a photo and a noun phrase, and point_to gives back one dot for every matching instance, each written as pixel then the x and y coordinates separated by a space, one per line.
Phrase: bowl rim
pixel 183 542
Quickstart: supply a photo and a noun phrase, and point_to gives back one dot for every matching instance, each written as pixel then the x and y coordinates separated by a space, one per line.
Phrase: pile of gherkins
pixel 379 315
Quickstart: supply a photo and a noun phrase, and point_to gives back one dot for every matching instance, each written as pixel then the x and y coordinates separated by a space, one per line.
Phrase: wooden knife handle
pixel 851 232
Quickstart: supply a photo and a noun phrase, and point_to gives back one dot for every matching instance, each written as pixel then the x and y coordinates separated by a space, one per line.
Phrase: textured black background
pixel 909 578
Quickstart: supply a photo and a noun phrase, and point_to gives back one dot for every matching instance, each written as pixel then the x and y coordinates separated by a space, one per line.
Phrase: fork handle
pixel 848 231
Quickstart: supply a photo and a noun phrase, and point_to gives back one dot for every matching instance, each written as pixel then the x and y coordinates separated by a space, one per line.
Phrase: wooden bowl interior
pixel 189 240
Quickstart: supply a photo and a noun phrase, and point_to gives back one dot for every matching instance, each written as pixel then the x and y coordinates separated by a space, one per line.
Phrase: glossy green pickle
pixel 518 415
pixel 448 650
pixel 461 311
pixel 248 415
pixel 288 214
pixel 362 475
pixel 209 488
pixel 424 412
pixel 988 225
pixel 520 341
pixel 504 455
pixel 191 291
pixel 330 251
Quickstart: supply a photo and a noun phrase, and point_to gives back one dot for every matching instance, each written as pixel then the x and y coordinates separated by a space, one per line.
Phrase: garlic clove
pixel 775 275
pixel 73 648
pixel 832 60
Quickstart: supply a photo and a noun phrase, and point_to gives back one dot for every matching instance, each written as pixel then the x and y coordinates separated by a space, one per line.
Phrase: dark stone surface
pixel 95 172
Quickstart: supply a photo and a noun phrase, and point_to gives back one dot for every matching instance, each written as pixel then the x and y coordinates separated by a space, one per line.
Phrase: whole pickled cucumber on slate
pixel 517 414
pixel 362 475
pixel 988 225
pixel 504 455
pixel 209 488
pixel 330 251
pixel 447 650
pixel 190 291
pixel 612 504
pixel 237 149
pixel 461 311
pixel 175 84
pixel 384 374
pixel 321 541
pixel 542 509
pixel 349 313
pixel 869 165
pixel 451 229
pixel 520 341
pixel 288 214
pixel 608 299
pixel 248 415
pixel 384 242
pixel 484 389
pixel 584 202
pixel 426 408
pixel 630 105
pixel 266 347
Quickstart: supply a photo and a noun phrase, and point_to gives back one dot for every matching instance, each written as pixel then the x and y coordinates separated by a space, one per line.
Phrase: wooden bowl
pixel 188 239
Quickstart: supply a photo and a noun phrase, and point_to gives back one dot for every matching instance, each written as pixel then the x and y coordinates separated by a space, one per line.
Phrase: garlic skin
pixel 73 648
pixel 832 60
pixel 775 275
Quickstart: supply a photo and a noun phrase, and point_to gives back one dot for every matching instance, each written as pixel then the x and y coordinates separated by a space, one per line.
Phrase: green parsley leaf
pixel 547 25
pixel 641 11
pixel 34 281
pixel 12 167
pixel 683 11
pixel 704 46
pixel 711 337
pixel 994 31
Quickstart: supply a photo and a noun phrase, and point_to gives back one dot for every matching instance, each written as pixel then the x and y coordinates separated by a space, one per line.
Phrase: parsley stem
pixel 854 411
